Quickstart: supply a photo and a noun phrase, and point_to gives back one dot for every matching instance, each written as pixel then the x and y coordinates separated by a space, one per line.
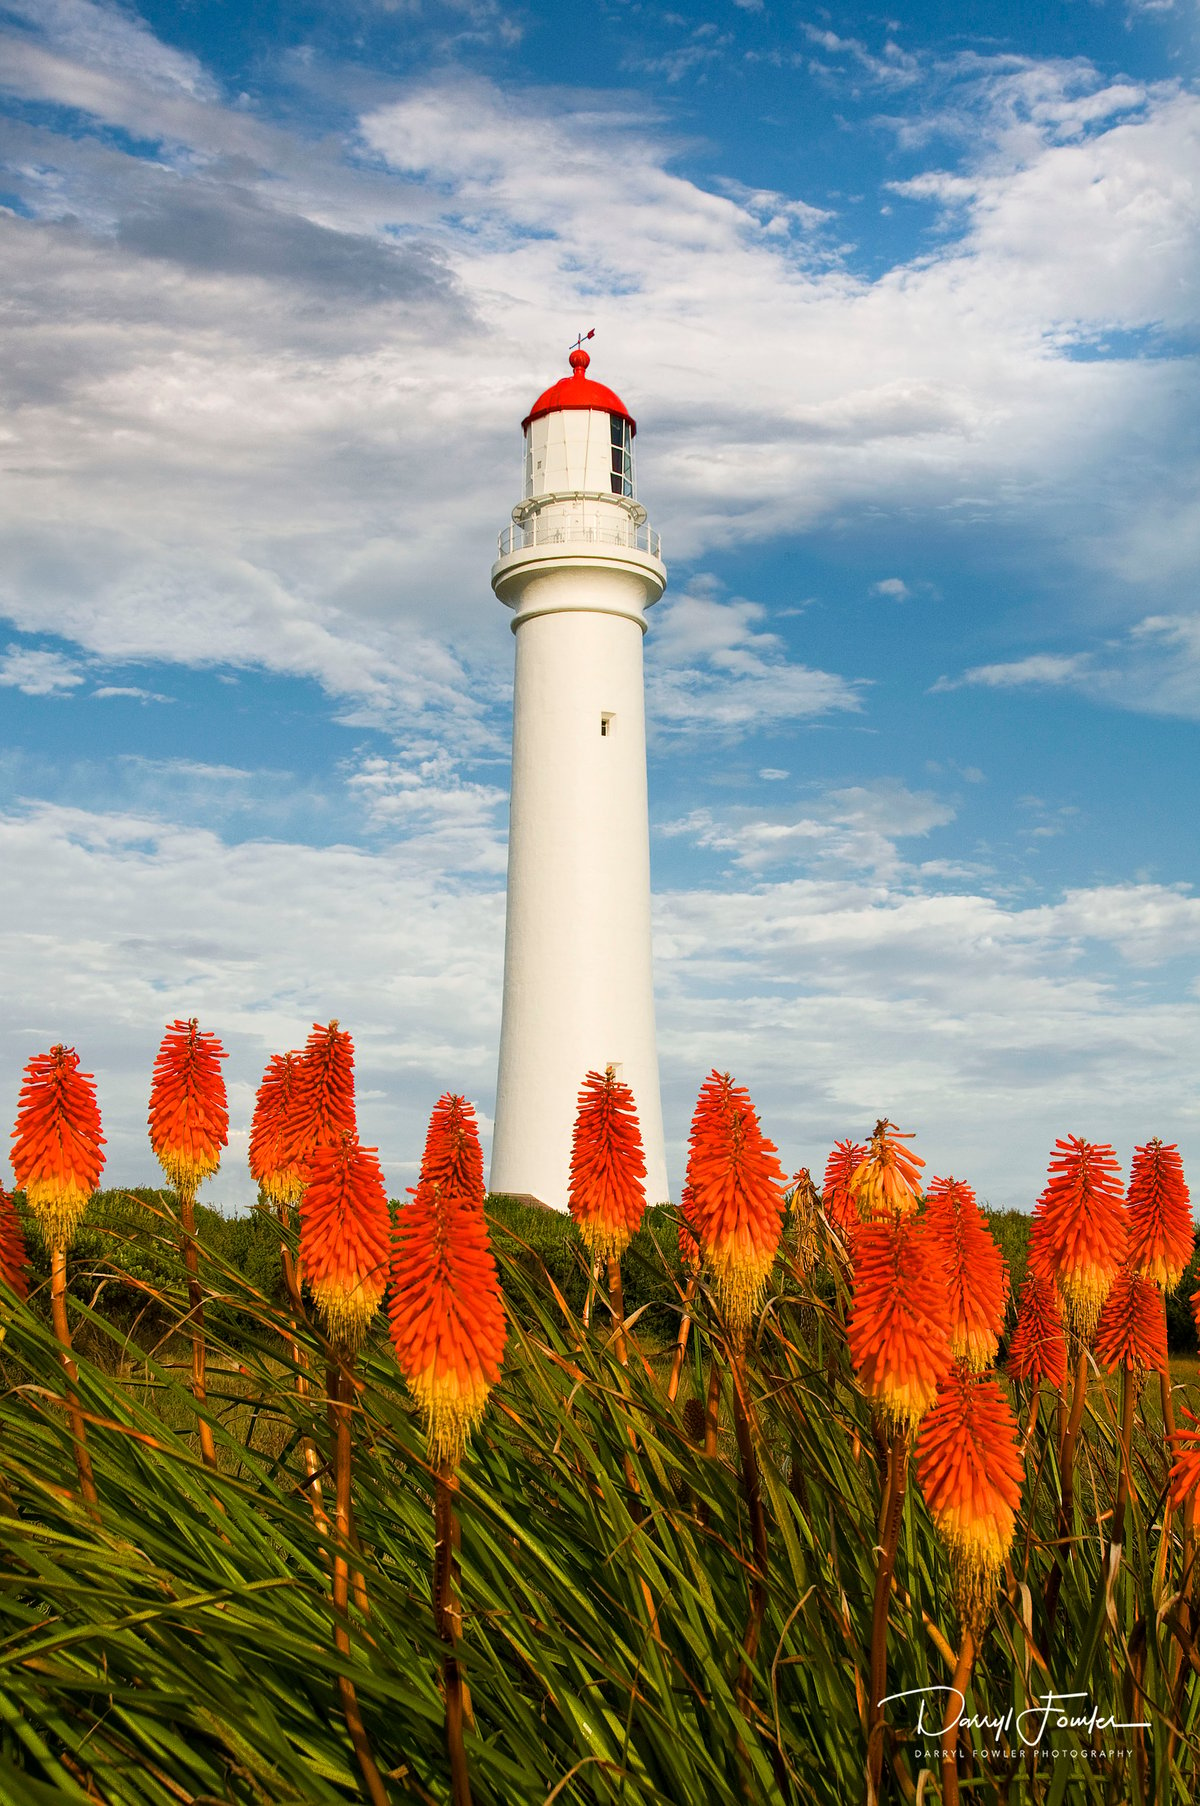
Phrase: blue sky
pixel 906 307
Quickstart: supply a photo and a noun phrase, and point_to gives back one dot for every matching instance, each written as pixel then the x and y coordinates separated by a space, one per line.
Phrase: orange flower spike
pixel 1185 1471
pixel 323 1109
pixel 13 1258
pixel 837 1200
pixel 897 1333
pixel 189 1116
pixel 888 1181
pixel 737 1195
pixel 971 1470
pixel 57 1146
pixel 1161 1232
pixel 271 1131
pixel 345 1237
pixel 607 1195
pixel 976 1272
pixel 1038 1350
pixel 1132 1332
pixel 1079 1226
pixel 447 1315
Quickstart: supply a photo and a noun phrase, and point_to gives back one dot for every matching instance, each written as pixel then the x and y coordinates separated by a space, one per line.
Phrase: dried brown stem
pixel 308 1449
pixel 448 1618
pixel 1069 1433
pixel 1121 1498
pixel 685 1325
pixel 62 1329
pixel 897 1485
pixel 743 1423
pixel 712 1408
pixel 187 1247
pixel 591 1292
pixel 340 1395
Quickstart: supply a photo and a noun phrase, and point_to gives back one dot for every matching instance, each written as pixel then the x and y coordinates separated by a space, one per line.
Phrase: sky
pixel 905 305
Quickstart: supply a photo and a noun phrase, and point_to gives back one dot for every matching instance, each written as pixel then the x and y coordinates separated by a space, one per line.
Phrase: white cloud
pixel 713 668
pixel 134 693
pixel 39 673
pixel 1038 668
pixel 1154 668
pixel 854 829
pixel 988 1027
pixel 893 588
pixel 270 416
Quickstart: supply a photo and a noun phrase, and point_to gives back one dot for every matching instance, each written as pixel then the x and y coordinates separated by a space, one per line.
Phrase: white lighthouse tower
pixel 579 566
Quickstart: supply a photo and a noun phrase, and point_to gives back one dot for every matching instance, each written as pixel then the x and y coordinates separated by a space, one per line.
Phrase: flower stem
pixel 616 1300
pixel 62 1329
pixel 897 1485
pixel 340 1391
pixel 448 1618
pixel 960 1683
pixel 187 1247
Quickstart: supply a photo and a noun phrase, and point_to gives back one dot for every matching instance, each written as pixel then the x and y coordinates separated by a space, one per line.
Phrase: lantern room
pixel 579 439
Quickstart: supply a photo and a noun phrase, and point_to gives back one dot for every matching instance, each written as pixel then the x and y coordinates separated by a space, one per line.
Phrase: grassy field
pixel 180 1647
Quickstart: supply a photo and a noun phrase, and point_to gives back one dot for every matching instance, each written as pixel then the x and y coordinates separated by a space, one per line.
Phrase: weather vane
pixel 581 340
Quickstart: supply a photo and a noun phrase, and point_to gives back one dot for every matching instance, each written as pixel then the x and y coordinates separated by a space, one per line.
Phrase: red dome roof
pixel 578 391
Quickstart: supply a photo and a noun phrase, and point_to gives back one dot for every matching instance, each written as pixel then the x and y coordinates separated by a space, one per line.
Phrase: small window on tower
pixel 622 456
pixel 606 725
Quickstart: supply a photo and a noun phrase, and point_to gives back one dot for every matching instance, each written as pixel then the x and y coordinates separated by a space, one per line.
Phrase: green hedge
pixel 128 1250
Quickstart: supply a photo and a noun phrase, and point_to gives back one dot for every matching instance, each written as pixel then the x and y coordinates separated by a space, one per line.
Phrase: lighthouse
pixel 579 566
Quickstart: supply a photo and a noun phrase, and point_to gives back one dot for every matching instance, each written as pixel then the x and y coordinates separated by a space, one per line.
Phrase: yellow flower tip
pixel 346 1310
pixel 603 1241
pixel 452 1405
pixel 57 1210
pixel 1084 1294
pixel 739 1275
pixel 975 1348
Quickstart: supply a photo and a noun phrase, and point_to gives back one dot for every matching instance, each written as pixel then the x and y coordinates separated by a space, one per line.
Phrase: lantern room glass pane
pixel 622 456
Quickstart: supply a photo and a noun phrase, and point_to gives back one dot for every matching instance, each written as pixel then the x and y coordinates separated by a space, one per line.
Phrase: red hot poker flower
pixel 1161 1232
pixel 737 1195
pixel 888 1181
pixel 976 1273
pixel 1185 1471
pixel 324 1096
pixel 189 1118
pixel 897 1333
pixel 837 1200
pixel 1079 1226
pixel 13 1258
pixel 57 1148
pixel 447 1315
pixel 970 1468
pixel 271 1131
pixel 1132 1332
pixel 1038 1350
pixel 345 1236
pixel 608 1167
